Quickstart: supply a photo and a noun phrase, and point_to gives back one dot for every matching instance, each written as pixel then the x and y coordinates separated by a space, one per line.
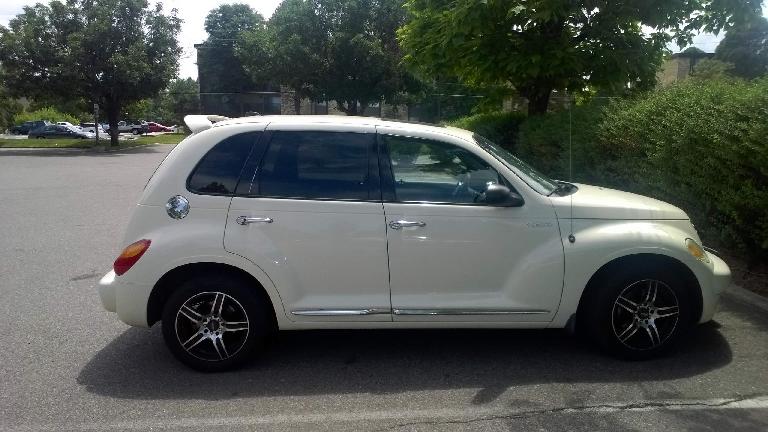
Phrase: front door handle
pixel 242 220
pixel 396 225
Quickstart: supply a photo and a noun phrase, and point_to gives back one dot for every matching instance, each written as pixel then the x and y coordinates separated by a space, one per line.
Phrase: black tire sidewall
pixel 598 311
pixel 258 316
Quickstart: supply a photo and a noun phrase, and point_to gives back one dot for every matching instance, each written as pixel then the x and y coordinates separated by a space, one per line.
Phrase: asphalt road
pixel 66 364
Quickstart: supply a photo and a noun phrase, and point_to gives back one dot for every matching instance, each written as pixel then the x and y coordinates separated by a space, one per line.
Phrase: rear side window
pixel 218 171
pixel 317 165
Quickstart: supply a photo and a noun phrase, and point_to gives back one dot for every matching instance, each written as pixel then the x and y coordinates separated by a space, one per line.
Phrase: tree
pixel 362 62
pixel 111 52
pixel 543 45
pixel 342 50
pixel 709 69
pixel 289 51
pixel 746 47
pixel 220 71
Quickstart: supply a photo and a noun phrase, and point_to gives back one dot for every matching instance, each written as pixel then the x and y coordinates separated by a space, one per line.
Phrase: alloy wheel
pixel 212 326
pixel 645 314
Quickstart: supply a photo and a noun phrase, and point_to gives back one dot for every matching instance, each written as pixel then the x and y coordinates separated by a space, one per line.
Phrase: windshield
pixel 538 181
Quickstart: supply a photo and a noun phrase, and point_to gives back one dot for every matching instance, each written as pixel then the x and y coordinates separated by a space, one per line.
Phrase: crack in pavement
pixel 752 401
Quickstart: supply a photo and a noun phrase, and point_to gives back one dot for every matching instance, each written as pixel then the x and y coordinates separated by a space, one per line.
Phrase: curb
pixel 745 296
pixel 70 151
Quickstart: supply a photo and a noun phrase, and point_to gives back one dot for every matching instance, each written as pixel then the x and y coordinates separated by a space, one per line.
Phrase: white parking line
pixel 433 416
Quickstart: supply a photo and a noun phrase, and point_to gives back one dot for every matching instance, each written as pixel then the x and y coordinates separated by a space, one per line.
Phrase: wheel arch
pixel 645 259
pixel 164 287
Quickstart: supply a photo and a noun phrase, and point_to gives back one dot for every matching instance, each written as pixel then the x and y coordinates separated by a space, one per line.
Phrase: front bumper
pixel 712 289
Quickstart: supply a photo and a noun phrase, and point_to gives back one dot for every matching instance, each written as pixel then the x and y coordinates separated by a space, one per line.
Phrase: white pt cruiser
pixel 252 225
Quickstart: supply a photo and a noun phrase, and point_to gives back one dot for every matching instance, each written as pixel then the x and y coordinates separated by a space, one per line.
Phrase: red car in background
pixel 157 127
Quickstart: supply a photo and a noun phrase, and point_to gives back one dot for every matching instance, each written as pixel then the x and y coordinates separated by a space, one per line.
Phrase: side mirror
pixel 500 196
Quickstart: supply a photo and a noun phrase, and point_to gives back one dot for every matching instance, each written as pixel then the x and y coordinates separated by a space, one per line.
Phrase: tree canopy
pixel 544 45
pixel 746 48
pixel 111 52
pixel 341 50
pixel 219 69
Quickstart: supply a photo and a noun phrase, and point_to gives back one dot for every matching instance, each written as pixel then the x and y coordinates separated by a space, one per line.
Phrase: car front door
pixel 453 257
pixel 309 213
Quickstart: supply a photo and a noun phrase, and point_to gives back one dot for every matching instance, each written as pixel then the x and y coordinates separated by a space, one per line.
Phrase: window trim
pixel 389 174
pixel 373 175
pixel 258 136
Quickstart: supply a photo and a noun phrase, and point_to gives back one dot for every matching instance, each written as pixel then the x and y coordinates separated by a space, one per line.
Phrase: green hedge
pixel 48 113
pixel 700 144
pixel 499 127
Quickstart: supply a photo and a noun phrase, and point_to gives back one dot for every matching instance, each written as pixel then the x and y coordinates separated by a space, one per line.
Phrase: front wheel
pixel 136 131
pixel 215 323
pixel 638 314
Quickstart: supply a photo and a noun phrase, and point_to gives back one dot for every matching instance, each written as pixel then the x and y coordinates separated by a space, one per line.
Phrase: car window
pixel 316 165
pixel 218 171
pixel 438 172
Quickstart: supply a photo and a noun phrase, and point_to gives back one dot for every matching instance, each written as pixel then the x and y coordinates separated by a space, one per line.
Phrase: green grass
pixel 78 143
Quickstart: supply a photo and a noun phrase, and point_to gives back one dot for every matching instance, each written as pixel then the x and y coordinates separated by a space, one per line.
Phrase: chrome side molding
pixel 466 312
pixel 340 312
pixel 423 312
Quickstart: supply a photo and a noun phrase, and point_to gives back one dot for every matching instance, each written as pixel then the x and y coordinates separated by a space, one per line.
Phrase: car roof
pixel 309 120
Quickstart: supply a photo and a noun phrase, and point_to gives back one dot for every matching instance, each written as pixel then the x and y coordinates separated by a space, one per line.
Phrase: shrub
pixel 544 143
pixel 499 127
pixel 48 113
pixel 700 144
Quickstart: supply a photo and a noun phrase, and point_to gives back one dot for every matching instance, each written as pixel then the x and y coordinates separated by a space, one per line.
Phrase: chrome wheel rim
pixel 645 314
pixel 212 326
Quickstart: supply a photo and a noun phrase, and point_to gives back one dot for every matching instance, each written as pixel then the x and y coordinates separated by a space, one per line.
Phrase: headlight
pixel 696 250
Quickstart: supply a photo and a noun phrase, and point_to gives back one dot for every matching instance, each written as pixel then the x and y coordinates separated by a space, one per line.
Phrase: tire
pixel 136 131
pixel 214 323
pixel 624 317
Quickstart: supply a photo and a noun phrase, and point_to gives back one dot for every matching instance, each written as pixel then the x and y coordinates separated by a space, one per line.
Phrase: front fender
pixel 598 242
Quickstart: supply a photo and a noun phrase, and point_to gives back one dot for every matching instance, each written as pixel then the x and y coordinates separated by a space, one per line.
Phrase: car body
pixel 91 127
pixel 308 222
pixel 57 131
pixel 157 127
pixel 134 127
pixel 26 127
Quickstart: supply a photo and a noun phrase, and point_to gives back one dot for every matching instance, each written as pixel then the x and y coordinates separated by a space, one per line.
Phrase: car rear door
pixel 308 211
pixel 452 257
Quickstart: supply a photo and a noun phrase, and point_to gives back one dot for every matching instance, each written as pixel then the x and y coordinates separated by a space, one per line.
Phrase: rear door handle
pixel 396 225
pixel 242 220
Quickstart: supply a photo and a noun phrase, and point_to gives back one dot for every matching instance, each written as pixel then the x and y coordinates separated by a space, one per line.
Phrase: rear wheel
pixel 638 314
pixel 136 131
pixel 215 323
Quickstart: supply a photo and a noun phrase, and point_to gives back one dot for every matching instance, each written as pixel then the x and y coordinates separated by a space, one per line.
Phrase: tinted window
pixel 219 169
pixel 433 171
pixel 316 165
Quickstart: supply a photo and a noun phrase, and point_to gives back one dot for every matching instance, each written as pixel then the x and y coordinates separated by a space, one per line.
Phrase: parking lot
pixel 69 365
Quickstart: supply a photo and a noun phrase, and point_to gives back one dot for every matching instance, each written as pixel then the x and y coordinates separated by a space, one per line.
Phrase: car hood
pixel 594 202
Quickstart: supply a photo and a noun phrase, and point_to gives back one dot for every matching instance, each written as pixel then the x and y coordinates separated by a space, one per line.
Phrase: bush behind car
pixel 700 144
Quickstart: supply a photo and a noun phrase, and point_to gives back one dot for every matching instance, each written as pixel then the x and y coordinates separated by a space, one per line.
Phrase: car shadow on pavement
pixel 136 365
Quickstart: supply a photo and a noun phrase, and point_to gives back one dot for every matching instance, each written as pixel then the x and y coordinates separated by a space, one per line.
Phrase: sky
pixel 193 13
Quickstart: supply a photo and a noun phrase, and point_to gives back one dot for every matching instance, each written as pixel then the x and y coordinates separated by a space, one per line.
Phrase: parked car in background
pixel 134 127
pixel 418 226
pixel 26 127
pixel 67 124
pixel 157 127
pixel 91 127
pixel 57 131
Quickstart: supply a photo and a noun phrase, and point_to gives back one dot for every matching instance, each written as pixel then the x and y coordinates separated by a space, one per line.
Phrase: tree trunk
pixel 113 114
pixel 538 100
pixel 296 102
